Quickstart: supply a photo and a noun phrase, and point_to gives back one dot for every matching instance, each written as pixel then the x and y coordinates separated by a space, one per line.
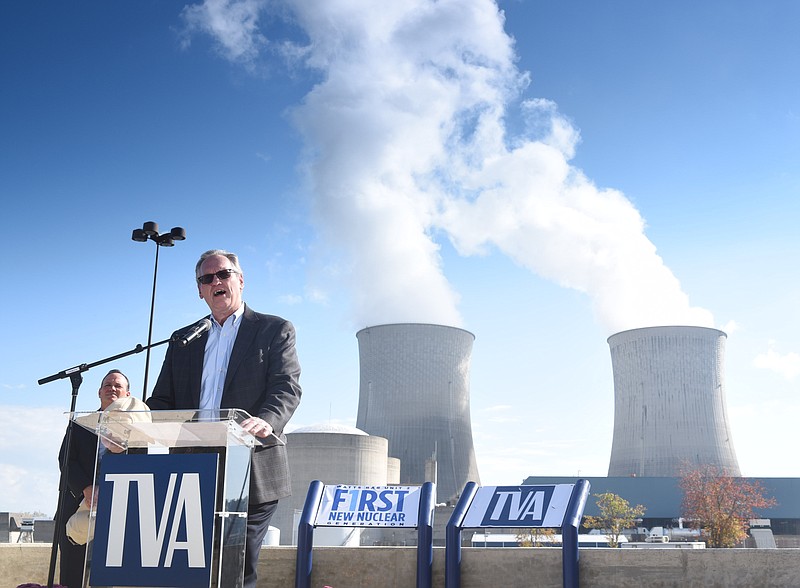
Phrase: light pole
pixel 149 231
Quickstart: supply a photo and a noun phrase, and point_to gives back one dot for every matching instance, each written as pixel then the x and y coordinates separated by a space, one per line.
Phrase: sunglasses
pixel 221 274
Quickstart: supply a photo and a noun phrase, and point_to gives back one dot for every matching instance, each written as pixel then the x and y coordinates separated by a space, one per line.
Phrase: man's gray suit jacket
pixel 263 379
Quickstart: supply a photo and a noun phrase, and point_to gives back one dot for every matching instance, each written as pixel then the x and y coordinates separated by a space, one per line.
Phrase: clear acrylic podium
pixel 163 439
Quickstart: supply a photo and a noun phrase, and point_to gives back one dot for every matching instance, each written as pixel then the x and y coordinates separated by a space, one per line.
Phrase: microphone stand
pixel 75 377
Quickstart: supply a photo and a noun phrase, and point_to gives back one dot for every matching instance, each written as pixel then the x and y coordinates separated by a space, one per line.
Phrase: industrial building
pixel 670 411
pixel 333 454
pixel 414 424
pixel 662 497
pixel 414 391
pixel 670 415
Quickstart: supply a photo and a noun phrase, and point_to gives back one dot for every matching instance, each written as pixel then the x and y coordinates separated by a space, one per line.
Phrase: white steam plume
pixel 408 140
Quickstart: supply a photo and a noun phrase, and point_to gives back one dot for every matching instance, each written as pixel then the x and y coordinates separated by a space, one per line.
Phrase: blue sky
pixel 542 180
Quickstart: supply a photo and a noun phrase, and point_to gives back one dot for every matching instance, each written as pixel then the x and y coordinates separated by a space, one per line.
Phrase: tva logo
pixel 512 505
pixel 155 520
pixel 187 508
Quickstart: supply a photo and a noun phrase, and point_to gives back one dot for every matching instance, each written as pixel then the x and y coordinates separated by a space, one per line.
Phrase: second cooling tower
pixel 669 402
pixel 414 390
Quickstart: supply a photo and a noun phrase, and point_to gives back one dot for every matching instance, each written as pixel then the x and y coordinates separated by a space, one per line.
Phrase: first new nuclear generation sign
pixel 368 506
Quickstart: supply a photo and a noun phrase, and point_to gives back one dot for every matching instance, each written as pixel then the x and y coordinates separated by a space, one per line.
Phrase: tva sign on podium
pixel 155 520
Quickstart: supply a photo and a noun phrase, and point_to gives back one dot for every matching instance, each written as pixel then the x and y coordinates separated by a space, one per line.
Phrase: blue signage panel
pixel 519 506
pixel 155 520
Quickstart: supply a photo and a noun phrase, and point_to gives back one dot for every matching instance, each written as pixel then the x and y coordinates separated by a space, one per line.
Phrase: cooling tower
pixel 669 402
pixel 334 454
pixel 414 390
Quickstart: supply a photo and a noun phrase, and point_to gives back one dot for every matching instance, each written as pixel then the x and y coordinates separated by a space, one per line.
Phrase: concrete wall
pixel 394 567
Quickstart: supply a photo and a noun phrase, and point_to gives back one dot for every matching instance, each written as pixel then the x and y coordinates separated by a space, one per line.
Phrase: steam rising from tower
pixel 415 392
pixel 669 402
pixel 409 142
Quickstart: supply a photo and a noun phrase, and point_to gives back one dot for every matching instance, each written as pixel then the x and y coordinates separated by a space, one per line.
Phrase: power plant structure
pixel 670 412
pixel 334 454
pixel 414 391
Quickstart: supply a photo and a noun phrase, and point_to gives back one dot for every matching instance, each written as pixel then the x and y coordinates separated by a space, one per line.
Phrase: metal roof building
pixel 662 497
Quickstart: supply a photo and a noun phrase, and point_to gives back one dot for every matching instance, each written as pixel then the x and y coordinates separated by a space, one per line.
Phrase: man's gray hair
pixel 232 257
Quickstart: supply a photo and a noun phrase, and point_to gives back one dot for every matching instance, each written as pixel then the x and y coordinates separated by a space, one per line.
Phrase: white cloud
pixel 317 296
pixel 786 365
pixel 730 327
pixel 753 424
pixel 291 299
pixel 408 142
pixel 233 24
pixel 500 414
pixel 30 439
pixel 498 408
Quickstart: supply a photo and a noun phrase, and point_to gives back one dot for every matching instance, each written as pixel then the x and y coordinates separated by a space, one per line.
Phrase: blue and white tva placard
pixel 519 506
pixel 155 520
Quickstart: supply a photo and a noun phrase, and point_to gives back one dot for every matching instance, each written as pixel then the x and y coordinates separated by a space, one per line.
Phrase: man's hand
pixel 111 445
pixel 257 427
pixel 90 495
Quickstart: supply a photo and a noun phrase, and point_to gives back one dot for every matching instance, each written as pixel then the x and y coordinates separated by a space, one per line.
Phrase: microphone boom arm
pixel 79 369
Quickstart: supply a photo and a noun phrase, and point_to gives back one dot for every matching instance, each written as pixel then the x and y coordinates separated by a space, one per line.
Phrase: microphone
pixel 193 333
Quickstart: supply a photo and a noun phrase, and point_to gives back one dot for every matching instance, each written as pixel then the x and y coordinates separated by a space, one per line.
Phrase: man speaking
pixel 245 360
